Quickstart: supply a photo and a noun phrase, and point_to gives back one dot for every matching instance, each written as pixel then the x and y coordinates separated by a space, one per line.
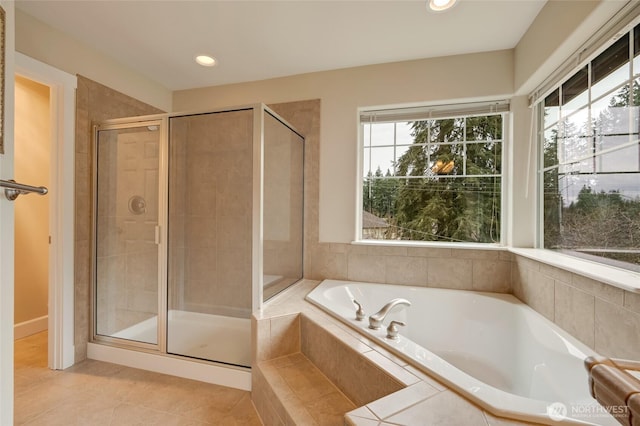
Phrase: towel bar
pixel 611 384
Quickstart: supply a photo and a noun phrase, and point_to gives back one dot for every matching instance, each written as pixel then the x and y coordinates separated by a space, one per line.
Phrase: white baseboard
pixel 27 328
pixel 239 378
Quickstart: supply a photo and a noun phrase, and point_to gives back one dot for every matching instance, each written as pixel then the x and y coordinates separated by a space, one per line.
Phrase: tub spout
pixel 375 320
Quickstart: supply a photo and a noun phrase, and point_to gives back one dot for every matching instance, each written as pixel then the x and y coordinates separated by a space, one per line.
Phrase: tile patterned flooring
pixel 99 393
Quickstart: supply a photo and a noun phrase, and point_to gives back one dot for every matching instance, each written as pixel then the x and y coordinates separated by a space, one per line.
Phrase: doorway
pixel 32 166
pixel 57 314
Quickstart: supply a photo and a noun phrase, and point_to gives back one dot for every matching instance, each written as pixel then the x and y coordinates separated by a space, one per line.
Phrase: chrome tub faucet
pixel 375 320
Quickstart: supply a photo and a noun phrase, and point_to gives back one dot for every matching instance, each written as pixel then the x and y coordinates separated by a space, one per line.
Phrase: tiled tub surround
pixel 493 349
pixel 604 317
pixel 456 268
pixel 310 368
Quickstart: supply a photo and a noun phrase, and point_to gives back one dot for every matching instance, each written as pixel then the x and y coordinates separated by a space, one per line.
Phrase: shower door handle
pixel 157 236
pixel 12 189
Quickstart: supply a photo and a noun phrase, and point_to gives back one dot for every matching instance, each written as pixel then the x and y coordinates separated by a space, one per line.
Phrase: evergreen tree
pixel 601 223
pixel 436 201
pixel 379 193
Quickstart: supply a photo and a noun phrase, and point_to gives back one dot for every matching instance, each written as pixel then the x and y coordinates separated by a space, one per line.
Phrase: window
pixel 590 158
pixel 433 174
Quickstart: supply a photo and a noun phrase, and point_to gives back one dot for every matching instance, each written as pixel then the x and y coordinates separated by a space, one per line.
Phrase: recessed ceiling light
pixel 206 60
pixel 441 5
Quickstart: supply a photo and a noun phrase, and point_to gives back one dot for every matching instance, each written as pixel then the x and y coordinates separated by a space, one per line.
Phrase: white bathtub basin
pixel 490 347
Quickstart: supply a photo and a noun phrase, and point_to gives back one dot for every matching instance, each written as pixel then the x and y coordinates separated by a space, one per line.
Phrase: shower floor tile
pixel 100 393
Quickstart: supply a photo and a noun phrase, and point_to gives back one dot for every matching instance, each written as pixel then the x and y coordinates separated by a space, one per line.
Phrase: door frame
pixel 61 211
pixel 7 227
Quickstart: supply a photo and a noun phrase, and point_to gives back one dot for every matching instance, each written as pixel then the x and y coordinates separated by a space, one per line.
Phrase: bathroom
pixel 322 106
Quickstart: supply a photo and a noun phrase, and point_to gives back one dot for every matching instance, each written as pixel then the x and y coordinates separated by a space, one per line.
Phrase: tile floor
pixel 99 393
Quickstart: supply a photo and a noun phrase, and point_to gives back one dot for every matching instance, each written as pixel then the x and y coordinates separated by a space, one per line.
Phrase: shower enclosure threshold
pixel 234 377
pixel 194 335
pixel 204 336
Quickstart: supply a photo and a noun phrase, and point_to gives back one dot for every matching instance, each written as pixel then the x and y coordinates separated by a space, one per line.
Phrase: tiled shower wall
pixel 94 103
pixel 283 202
pixel 210 213
pixel 126 255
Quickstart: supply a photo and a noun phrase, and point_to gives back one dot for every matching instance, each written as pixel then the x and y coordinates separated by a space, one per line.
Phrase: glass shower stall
pixel 198 218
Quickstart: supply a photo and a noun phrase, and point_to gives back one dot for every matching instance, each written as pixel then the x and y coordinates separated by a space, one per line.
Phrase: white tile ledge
pixel 616 277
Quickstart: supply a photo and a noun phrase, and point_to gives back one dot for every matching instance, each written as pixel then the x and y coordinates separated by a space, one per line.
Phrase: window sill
pixel 434 244
pixel 626 280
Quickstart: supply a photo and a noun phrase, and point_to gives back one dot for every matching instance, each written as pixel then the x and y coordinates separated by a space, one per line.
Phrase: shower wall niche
pixel 198 219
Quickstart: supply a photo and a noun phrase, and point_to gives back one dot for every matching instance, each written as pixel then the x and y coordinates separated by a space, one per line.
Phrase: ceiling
pixel 255 40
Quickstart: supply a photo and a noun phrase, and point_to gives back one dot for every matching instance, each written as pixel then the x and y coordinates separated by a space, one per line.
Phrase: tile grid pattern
pixel 310 398
pixel 603 317
pixel 462 269
pixel 98 393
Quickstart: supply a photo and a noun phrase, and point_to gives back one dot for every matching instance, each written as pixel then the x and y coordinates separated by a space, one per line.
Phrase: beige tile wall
pixel 126 251
pixel 283 202
pixel 210 210
pixel 603 317
pixel 304 116
pixel 94 103
pixel 482 270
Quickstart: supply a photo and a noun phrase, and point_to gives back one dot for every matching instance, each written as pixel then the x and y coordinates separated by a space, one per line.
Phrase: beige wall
pixel 32 154
pixel 342 92
pixel 48 45
pixel 558 31
pixel 560 28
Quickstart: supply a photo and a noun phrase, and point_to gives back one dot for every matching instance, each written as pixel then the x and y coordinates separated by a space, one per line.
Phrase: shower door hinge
pixel 157 234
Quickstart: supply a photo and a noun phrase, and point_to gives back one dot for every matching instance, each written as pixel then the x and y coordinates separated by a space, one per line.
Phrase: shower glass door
pixel 210 236
pixel 126 229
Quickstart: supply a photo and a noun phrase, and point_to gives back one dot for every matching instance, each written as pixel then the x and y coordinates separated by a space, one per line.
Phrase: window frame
pixel 430 112
pixel 591 261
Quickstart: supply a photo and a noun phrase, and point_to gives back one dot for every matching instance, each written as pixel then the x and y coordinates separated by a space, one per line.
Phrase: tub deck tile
pixel 401 400
pixel 305 394
pixel 443 408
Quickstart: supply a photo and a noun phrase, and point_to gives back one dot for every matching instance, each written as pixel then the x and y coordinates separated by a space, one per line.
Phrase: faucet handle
pixel 392 330
pixel 359 313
